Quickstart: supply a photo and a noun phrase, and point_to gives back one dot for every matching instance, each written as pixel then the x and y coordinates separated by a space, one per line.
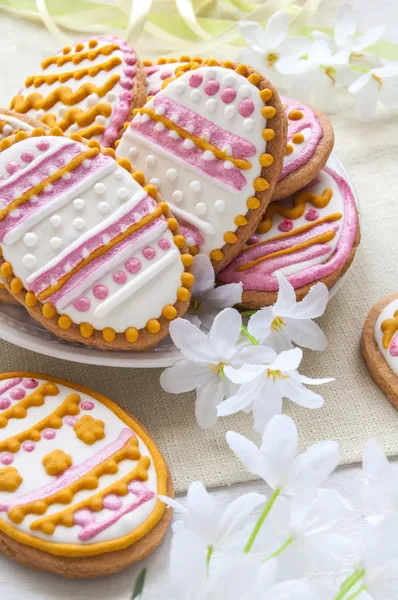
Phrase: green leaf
pixel 139 584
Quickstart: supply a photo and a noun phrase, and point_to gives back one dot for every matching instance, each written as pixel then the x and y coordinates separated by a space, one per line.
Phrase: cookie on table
pixel 80 479
pixel 310 141
pixel 212 140
pixel 309 237
pixel 164 68
pixel 380 345
pixel 86 248
pixel 90 88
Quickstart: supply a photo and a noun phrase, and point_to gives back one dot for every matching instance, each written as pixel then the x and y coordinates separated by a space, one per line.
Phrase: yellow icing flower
pixel 89 430
pixel 56 462
pixel 10 479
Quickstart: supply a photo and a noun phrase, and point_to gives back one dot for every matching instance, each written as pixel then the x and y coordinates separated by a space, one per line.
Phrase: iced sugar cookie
pixel 310 140
pixel 164 68
pixel 212 141
pixel 309 237
pixel 89 88
pixel 79 479
pixel 85 245
pixel 380 345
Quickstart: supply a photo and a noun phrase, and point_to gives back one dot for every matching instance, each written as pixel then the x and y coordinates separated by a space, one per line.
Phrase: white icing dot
pixel 219 205
pixel 244 91
pixel 177 196
pixel 159 126
pixel 48 188
pixel 103 207
pixel 56 220
pixel 228 149
pixel 180 87
pixel 52 170
pixel 248 124
pixel 100 119
pixel 111 96
pixel 160 110
pixel 196 95
pixel 105 239
pixel 99 188
pixel 228 165
pixel 85 253
pixel 119 174
pixel 229 80
pixel 145 118
pixel 30 239
pixel 201 208
pixel 155 181
pixel 173 134
pixel 92 100
pixel 188 144
pixel 55 243
pixel 208 155
pixel 73 128
pixel 14 214
pixel 230 111
pixel 171 174
pixel 40 113
pixel 7 128
pixel 33 199
pixel 122 193
pixel 86 163
pixel 29 261
pixel 67 176
pixel 78 223
pixel 195 186
pixel 150 160
pixel 133 153
pixel 191 127
pixel 174 117
pixel 190 240
pixel 211 105
pixel 78 204
pixel 210 74
pixel 35 181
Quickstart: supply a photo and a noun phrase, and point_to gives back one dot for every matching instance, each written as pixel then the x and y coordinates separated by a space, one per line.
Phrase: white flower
pixel 207 300
pixel 380 559
pixel 277 461
pixel 377 85
pixel 205 359
pixel 267 46
pixel 215 524
pixel 290 321
pixel 380 481
pixel 262 388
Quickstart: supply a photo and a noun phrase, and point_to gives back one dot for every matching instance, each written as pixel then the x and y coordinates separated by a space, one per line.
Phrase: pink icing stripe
pixel 309 147
pixel 10 384
pixel 141 495
pixel 193 156
pixel 144 207
pixel 72 474
pixel 188 230
pixel 219 137
pixel 394 345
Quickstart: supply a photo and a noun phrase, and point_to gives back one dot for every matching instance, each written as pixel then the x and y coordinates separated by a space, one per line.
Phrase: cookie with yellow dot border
pixel 310 140
pixel 164 68
pixel 379 345
pixel 212 140
pixel 74 502
pixel 88 246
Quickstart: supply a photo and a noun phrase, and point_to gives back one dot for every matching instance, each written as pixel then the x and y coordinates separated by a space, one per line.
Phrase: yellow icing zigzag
pixel 389 328
pixel 38 80
pixel 77 58
pixel 19 410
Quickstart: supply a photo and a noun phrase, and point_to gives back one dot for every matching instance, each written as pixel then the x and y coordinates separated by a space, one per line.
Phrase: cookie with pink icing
pixel 310 236
pixel 380 345
pixel 310 140
pixel 157 72
pixel 90 88
pixel 87 247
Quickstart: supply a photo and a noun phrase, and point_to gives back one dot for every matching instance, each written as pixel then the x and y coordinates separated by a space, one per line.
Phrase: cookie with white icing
pixel 380 345
pixel 310 141
pixel 309 237
pixel 212 140
pixel 86 246
pixel 162 69
pixel 80 479
pixel 90 88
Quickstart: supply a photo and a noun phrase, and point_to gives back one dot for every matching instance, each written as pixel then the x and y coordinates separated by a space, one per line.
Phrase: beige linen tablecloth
pixel 355 409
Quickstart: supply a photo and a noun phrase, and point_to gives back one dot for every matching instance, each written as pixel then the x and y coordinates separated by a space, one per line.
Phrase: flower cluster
pixel 237 367
pixel 314 70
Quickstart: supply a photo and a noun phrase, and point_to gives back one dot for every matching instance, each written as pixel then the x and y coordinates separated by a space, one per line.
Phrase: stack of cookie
pixel 137 167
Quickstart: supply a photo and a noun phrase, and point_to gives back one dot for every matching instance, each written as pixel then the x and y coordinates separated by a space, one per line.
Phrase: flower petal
pixel 254 58
pixel 252 458
pixel 192 342
pixel 299 394
pixel 306 333
pixel 279 445
pixel 245 373
pixel 266 407
pixel 239 401
pixel 254 35
pixel 324 512
pixel 255 355
pixel 368 38
pixel 314 304
pixel 259 324
pixel 295 589
pixel 294 47
pixel 287 360
pixel 225 296
pixel 225 333
pixel 207 399
pixel 319 460
pixel 187 563
pixel 236 514
pixel 203 272
pixel 345 26
pixel 366 100
pixel 310 381
pixel 276 29
pixel 286 301
pixel 185 376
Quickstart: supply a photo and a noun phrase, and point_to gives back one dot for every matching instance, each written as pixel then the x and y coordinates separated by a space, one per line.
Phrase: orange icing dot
pixel 268 134
pixel 10 479
pixel 109 334
pixel 139 177
pixel 217 255
pixel 187 279
pixel 151 190
pixel 297 138
pixel 131 335
pixel 187 260
pixel 86 330
pixel 266 160
pixel 254 78
pixel 240 221
pixel 169 312
pixel 268 112
pixel 266 94
pixel 260 184
pixel 30 299
pixel 230 237
pixel 179 241
pixel 89 430
pixel 183 294
pixel 56 462
pixel 16 285
pixel 65 322
pixel 153 326
pixel 289 149
pixel 48 310
pixel 296 115
pixel 6 269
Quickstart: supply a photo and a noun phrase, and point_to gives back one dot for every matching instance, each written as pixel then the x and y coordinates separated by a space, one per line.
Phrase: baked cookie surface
pixel 212 140
pixel 79 479
pixel 309 237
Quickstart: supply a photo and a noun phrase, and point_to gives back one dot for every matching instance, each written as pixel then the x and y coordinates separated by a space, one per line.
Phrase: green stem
pixel 356 594
pixel 249 336
pixel 209 555
pixel 261 520
pixel 349 584
pixel 346 583
pixel 358 68
pixel 139 584
pixel 248 313
pixel 275 554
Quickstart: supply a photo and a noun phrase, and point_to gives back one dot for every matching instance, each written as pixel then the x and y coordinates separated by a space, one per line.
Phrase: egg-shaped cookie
pixel 86 248
pixel 158 71
pixel 212 140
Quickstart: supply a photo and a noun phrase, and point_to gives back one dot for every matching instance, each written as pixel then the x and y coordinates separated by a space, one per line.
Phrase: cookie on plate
pixel 86 248
pixel 213 141
pixel 80 479
pixel 90 88
pixel 310 141
pixel 380 345
pixel 309 237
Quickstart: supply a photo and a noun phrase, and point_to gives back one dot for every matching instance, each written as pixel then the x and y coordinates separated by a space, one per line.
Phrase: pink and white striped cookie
pixel 212 140
pixel 85 245
pixel 157 72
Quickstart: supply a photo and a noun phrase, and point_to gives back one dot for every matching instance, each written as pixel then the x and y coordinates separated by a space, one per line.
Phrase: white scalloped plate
pixel 18 328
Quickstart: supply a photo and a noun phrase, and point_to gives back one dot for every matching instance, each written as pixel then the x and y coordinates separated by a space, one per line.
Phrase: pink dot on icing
pixel 195 80
pixel 43 145
pixel 211 87
pixel 167 74
pixel 12 167
pixel 87 405
pixel 286 225
pixel 246 107
pixel 253 240
pixel 100 292
pixel 7 459
pixel 27 156
pixel 83 517
pixel 130 59
pixel 149 253
pixel 164 244
pixel 133 265
pixel 394 346
pixel 49 434
pixel 112 502
pixel 28 446
pixel 30 384
pixel 4 403
pixel 126 96
pixel 17 394
pixel 119 277
pixel 70 421
pixel 82 304
pixel 312 214
pixel 130 71
pixel 228 95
